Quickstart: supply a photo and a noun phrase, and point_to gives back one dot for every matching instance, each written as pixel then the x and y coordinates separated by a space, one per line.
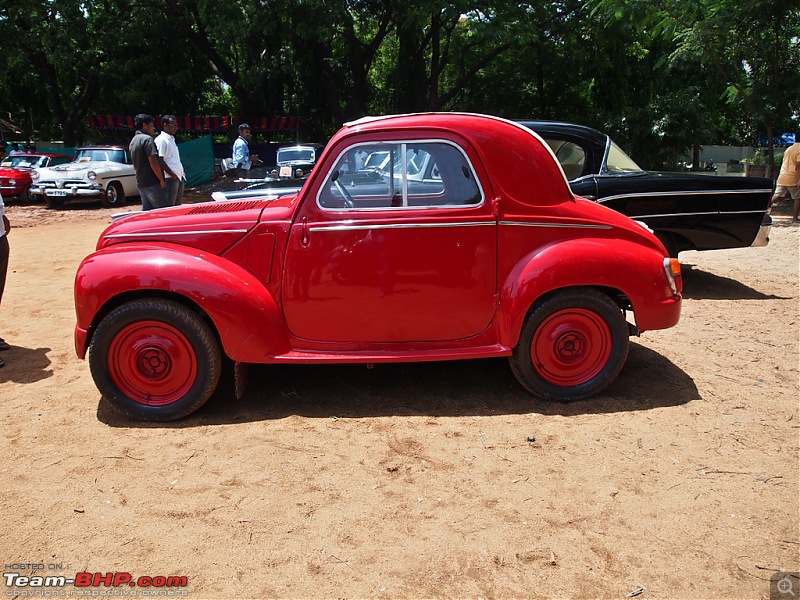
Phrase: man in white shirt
pixel 170 159
pixel 4 228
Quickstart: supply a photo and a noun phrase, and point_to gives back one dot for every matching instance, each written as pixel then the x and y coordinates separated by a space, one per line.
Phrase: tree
pixel 65 44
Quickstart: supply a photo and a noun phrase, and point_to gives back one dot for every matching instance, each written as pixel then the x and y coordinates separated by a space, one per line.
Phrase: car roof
pixel 309 145
pixel 509 151
pixel 562 127
pixel 103 147
pixel 37 154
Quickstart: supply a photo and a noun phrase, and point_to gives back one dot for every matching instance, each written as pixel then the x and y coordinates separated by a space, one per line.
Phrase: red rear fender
pixel 635 271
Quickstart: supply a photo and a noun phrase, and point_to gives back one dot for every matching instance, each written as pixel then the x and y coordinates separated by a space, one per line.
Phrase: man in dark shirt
pixel 144 155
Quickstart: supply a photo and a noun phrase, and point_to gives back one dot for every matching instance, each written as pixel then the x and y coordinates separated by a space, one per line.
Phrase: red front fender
pixel 246 316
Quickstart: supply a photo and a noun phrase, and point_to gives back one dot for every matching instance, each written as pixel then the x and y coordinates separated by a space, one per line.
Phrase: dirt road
pixel 680 481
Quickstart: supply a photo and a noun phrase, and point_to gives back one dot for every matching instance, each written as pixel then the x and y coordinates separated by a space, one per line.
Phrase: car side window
pixel 619 162
pixel 570 155
pixel 400 175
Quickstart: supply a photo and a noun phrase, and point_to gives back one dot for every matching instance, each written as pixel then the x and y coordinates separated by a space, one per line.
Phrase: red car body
pixel 487 254
pixel 15 172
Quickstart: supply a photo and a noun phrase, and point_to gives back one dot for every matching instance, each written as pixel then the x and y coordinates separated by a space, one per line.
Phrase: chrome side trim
pixel 566 225
pixel 704 213
pixel 351 227
pixel 171 233
pixel 682 193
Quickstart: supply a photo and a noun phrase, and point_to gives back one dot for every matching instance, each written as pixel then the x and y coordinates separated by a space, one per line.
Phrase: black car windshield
pixel 617 162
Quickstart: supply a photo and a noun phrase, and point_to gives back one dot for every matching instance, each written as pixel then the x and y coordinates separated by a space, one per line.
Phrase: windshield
pixel 619 162
pixel 102 154
pixel 23 162
pixel 295 155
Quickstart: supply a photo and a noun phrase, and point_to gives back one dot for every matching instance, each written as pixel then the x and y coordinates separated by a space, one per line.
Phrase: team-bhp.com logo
pixel 159 585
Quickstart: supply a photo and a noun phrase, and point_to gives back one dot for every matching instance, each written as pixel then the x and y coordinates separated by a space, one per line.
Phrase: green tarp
pixel 197 158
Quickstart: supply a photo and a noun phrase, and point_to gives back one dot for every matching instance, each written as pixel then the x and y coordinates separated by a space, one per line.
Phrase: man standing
pixel 5 226
pixel 171 159
pixel 789 177
pixel 144 155
pixel 242 159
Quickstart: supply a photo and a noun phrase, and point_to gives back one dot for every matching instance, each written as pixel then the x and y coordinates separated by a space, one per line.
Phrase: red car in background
pixel 15 172
pixel 471 245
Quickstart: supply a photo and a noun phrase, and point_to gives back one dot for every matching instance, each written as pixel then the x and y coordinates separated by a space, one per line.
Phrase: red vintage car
pixel 15 172
pixel 471 245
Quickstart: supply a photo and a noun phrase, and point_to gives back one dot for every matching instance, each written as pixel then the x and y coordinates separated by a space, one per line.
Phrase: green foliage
pixel 660 77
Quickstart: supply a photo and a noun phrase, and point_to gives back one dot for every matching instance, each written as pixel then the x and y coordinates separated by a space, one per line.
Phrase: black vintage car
pixel 686 211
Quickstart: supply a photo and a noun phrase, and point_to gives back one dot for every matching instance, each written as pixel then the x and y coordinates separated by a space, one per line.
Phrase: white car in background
pixel 104 173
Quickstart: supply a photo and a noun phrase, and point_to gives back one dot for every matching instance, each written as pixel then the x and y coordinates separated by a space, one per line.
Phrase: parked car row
pixel 16 170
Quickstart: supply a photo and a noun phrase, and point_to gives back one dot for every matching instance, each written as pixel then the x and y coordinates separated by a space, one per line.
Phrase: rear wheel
pixel 573 345
pixel 155 360
pixel 114 195
pixel 669 242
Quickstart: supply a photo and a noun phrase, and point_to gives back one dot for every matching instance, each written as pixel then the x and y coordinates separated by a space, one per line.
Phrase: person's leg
pixel 179 193
pixel 794 192
pixel 161 197
pixel 172 190
pixel 4 252
pixel 147 194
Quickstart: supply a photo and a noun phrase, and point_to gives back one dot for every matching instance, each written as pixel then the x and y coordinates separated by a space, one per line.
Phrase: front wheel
pixel 573 345
pixel 114 196
pixel 155 360
pixel 25 195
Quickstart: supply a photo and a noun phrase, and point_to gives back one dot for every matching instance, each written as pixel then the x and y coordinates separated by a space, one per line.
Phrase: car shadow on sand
pixel 447 389
pixel 702 285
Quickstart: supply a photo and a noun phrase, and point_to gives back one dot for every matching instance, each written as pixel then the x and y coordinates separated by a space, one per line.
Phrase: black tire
pixel 155 360
pixel 26 196
pixel 53 201
pixel 669 243
pixel 573 345
pixel 113 196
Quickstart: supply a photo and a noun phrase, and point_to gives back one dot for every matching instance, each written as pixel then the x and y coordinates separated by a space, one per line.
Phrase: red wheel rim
pixel 571 346
pixel 152 363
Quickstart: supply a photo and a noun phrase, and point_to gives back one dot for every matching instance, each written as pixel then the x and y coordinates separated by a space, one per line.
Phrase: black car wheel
pixel 155 359
pixel 573 345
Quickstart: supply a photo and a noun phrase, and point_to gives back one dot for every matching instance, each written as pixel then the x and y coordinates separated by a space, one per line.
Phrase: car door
pixel 378 258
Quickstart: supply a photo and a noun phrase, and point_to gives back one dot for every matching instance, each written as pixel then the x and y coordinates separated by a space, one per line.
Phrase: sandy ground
pixel 406 481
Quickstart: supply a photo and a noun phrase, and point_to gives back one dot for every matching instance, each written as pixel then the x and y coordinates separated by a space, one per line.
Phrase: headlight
pixel 298 173
pixel 91 175
pixel 35 175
